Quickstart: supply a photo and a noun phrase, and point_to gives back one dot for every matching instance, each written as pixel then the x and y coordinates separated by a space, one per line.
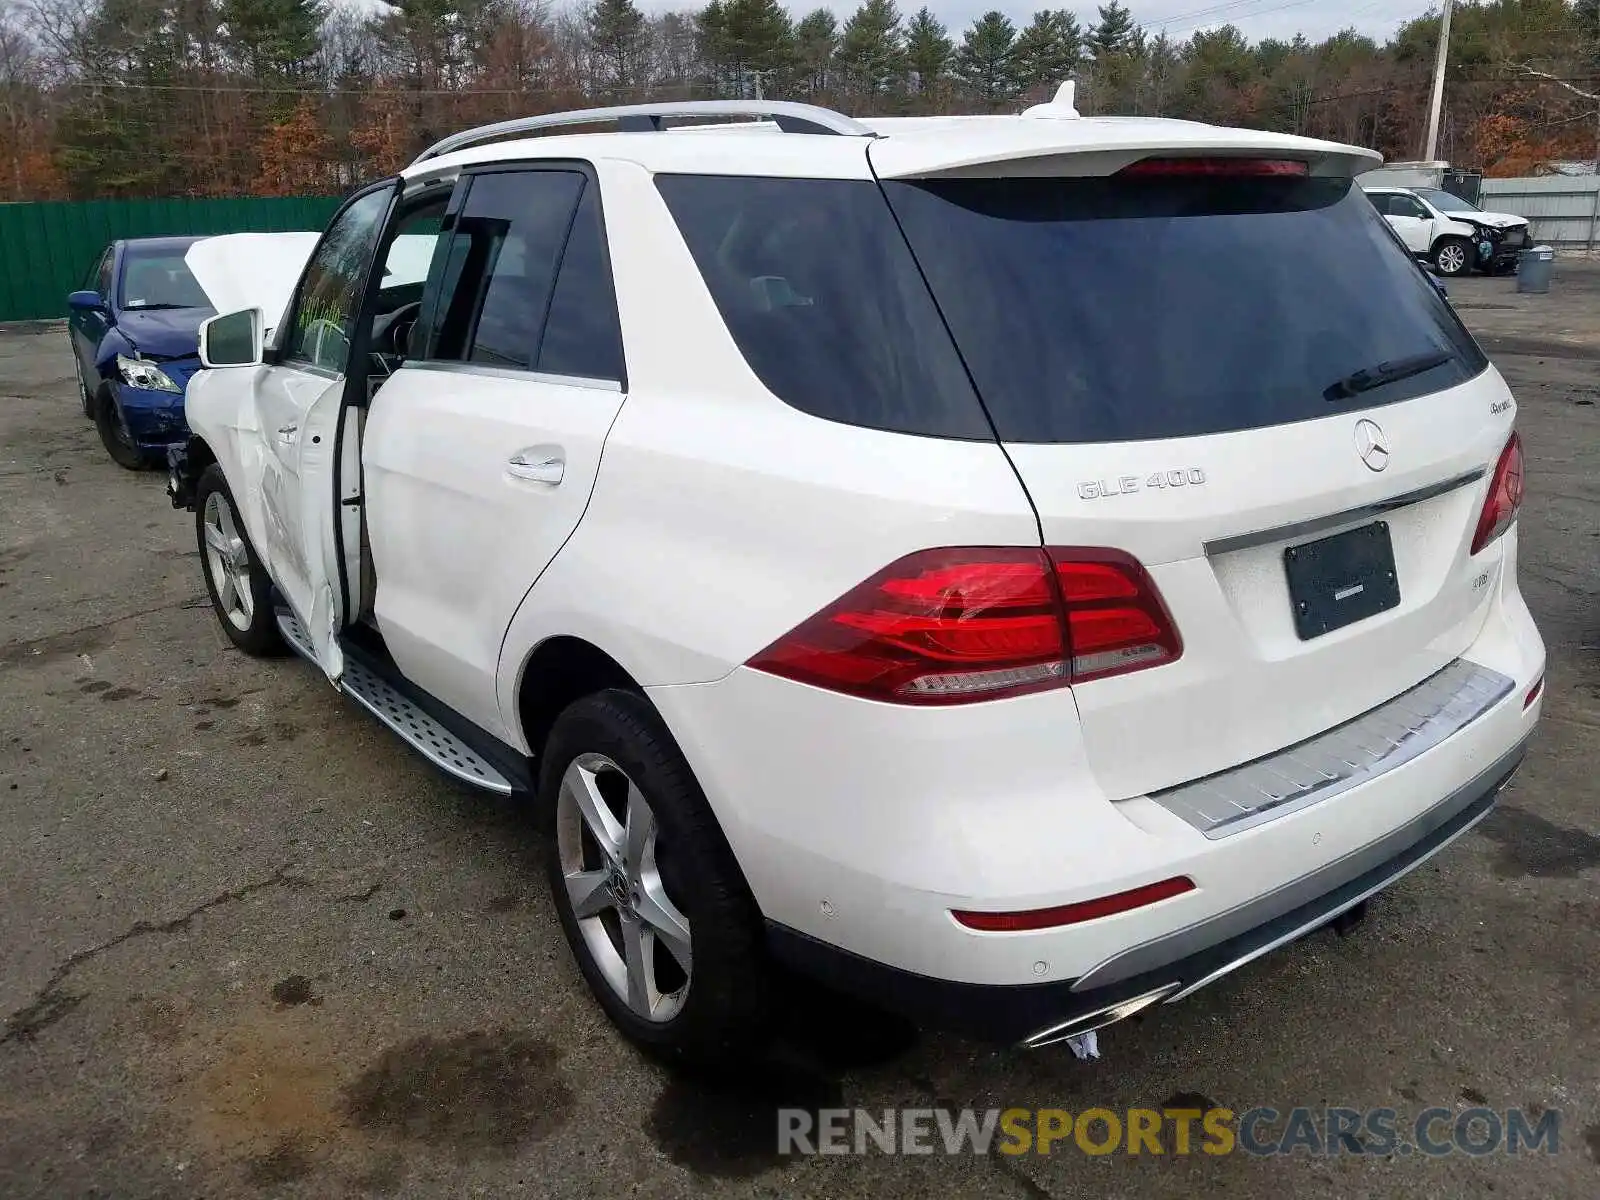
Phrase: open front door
pixel 318 367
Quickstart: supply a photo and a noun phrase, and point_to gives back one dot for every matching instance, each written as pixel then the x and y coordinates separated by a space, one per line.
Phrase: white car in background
pixel 1452 234
pixel 948 556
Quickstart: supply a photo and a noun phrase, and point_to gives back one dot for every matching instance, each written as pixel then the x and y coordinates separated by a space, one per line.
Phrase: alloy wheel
pixel 609 846
pixel 228 560
pixel 1452 259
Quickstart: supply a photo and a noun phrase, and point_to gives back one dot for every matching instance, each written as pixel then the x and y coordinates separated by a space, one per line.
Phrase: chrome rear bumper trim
pixel 1302 904
pixel 1344 757
pixel 1344 906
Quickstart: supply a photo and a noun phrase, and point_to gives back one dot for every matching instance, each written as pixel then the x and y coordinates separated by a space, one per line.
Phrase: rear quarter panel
pixel 721 516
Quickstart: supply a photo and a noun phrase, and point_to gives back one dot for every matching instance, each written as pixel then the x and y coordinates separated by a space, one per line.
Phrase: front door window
pixel 329 298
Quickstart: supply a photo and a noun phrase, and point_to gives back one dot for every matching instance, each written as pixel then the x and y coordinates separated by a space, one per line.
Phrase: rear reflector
pixel 978 623
pixel 1505 496
pixel 1073 914
pixel 1533 692
pixel 1254 168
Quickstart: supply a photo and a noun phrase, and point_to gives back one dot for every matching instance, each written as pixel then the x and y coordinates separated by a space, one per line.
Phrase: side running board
pixel 426 735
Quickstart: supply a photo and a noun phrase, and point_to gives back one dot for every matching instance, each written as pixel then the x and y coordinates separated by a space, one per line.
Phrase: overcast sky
pixel 1257 18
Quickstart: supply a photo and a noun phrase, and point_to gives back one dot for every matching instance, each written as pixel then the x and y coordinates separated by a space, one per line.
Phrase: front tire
pixel 85 396
pixel 653 904
pixel 239 587
pixel 1452 257
pixel 114 435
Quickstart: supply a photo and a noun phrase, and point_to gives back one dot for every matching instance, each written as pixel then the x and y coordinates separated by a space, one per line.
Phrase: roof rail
pixel 789 116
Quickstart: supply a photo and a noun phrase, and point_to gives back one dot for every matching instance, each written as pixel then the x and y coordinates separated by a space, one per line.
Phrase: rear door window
pixel 818 289
pixel 1106 310
pixel 581 335
pixel 501 268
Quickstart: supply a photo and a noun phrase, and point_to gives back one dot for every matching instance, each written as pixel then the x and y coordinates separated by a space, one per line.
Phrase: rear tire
pixel 240 589
pixel 114 435
pixel 664 929
pixel 1452 257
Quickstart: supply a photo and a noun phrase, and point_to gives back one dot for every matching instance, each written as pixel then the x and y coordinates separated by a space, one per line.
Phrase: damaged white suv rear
pixel 1017 569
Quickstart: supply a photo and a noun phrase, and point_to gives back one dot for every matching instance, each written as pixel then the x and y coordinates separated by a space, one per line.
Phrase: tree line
pixel 107 98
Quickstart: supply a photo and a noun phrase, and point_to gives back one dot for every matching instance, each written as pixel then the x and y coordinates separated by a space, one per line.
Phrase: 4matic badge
pixel 1096 489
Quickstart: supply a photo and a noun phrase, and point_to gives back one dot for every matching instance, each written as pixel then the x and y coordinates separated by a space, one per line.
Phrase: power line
pixel 1257 13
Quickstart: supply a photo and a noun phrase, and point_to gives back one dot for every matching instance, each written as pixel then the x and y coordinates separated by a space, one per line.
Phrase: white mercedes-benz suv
pixel 1016 569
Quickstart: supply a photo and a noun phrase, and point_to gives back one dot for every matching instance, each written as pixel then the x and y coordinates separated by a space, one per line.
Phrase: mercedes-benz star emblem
pixel 1371 445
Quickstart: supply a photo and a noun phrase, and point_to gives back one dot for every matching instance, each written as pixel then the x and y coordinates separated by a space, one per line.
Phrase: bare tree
pixel 1592 98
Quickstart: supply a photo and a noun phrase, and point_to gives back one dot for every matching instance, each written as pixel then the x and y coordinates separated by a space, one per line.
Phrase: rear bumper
pixel 1169 967
pixel 861 827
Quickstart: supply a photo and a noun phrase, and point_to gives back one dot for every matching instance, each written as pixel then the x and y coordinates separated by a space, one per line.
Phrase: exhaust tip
pixel 1099 1018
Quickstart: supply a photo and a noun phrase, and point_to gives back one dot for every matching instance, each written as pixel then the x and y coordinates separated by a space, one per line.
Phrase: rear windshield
pixel 1102 310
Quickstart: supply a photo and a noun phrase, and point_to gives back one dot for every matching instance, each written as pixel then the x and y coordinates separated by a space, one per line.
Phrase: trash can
pixel 1533 269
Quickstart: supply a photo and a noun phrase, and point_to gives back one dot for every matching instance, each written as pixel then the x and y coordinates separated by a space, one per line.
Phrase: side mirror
pixel 86 301
pixel 232 340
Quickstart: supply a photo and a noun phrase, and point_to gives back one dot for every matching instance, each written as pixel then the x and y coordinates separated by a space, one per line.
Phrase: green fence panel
pixel 46 249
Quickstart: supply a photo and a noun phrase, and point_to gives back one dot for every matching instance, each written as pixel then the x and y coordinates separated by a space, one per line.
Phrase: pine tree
pixel 872 53
pixel 816 43
pixel 986 61
pixel 1049 49
pixel 750 44
pixel 271 38
pixel 1116 33
pixel 617 41
pixel 928 50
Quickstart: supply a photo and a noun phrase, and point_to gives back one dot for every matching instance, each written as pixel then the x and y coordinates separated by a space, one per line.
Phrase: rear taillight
pixel 1115 619
pixel 978 623
pixel 1505 496
pixel 1252 168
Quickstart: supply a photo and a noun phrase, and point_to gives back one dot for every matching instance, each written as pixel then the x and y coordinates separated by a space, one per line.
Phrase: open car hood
pixel 251 270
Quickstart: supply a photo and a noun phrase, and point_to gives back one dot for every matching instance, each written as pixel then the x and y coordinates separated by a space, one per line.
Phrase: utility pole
pixel 1431 152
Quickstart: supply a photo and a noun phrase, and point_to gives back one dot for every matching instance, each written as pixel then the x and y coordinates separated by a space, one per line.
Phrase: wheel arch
pixel 1451 233
pixel 558 671
pixel 186 471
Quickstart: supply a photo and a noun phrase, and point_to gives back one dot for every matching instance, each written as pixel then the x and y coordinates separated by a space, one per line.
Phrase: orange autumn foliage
pixel 295 155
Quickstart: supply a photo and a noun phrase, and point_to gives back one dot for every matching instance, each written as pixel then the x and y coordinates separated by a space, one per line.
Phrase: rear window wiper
pixel 1368 378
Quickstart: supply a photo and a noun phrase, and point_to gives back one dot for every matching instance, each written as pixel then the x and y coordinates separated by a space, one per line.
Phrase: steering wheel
pixel 391 334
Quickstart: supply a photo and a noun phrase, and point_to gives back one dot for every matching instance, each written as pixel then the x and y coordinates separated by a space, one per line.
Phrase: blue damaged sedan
pixel 135 341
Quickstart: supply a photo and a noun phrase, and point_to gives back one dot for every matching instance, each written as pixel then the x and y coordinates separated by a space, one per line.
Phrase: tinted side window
pixel 815 283
pixel 1384 204
pixel 330 295
pixel 503 256
pixel 582 335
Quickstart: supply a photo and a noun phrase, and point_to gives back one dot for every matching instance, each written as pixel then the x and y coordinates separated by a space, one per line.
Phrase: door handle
pixel 542 465
pixel 286 433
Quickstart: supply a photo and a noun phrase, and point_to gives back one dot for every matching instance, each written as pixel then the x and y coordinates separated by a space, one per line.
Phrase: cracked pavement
pixel 250 946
